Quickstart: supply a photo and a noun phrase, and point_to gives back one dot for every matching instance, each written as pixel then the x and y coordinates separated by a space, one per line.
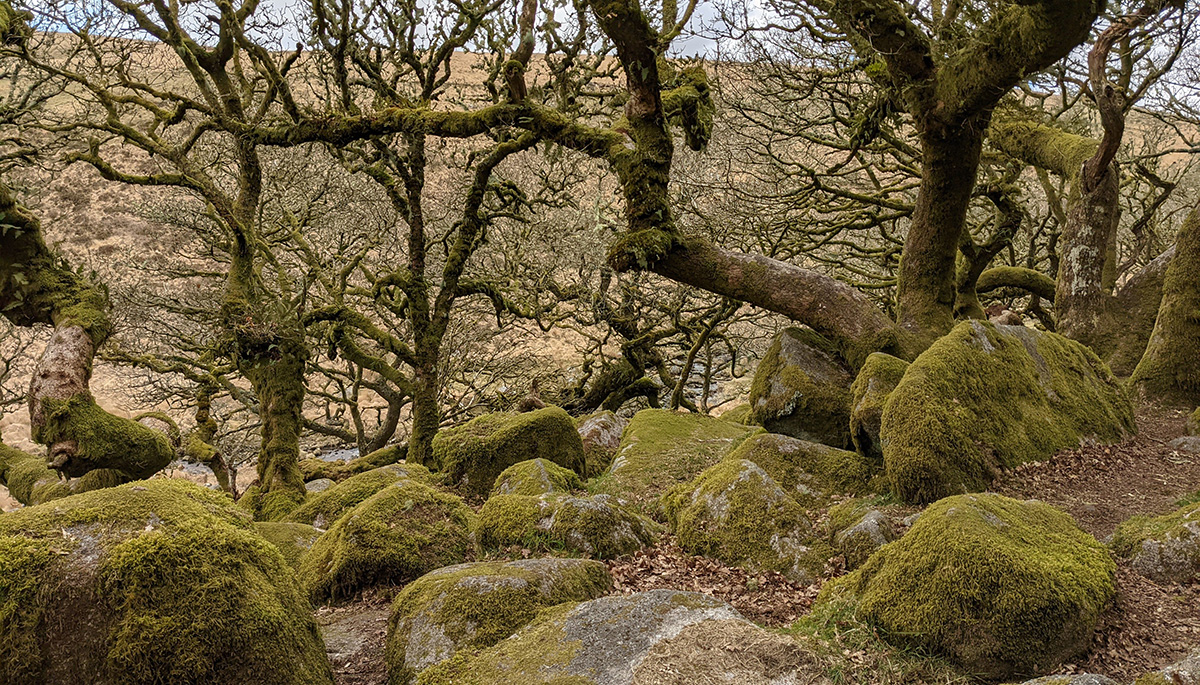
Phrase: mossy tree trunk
pixel 36 288
pixel 1169 371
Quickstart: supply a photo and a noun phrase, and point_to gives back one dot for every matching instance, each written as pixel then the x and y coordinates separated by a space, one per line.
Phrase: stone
pixel 801 388
pixel 479 604
pixel 319 485
pixel 599 526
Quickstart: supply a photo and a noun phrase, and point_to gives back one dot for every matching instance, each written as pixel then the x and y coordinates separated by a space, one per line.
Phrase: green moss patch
pixel 801 388
pixel 314 468
pixel 598 526
pixel 737 513
pixel 987 397
pixel 876 380
pixel 394 536
pixel 477 605
pixel 1164 548
pixel 293 540
pixel 472 455
pixel 806 470
pixel 151 582
pixel 660 449
pixel 1000 587
pixel 325 508
pixel 536 477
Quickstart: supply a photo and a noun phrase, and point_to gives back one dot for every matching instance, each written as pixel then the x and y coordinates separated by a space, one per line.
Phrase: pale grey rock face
pixel 602 431
pixel 1184 672
pixel 1187 443
pixel 859 542
pixel 1077 679
pixel 1173 559
pixel 318 485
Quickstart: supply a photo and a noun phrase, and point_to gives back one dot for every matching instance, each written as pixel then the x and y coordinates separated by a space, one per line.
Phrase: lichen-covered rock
pixel 477 605
pixel 1186 443
pixel 729 651
pixel 876 380
pixel 400 533
pixel 1000 587
pixel 858 541
pixel 601 436
pixel 293 540
pixel 316 487
pixel 802 388
pixel 1184 672
pixel 988 397
pixel 156 581
pixel 737 513
pixel 806 470
pixel 472 455
pixel 660 449
pixel 1165 549
pixel 1077 679
pixel 598 526
pixel 599 642
pixel 536 477
pixel 325 508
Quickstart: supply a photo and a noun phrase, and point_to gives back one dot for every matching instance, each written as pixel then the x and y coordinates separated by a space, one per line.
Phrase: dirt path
pixel 1150 625
pixel 354 636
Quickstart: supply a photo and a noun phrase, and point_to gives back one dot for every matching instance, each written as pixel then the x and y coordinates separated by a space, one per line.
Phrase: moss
pixel 325 508
pixel 314 468
pixel 544 646
pixel 1167 562
pixel 661 448
pixel 293 540
pixel 984 398
pixel 104 441
pixel 478 605
pixel 156 581
pixel 474 454
pixel 999 586
pixel 742 414
pixel 801 388
pixel 30 481
pixel 876 380
pixel 806 470
pixel 596 526
pixel 536 477
pixel 1193 423
pixel 398 534
pixel 735 512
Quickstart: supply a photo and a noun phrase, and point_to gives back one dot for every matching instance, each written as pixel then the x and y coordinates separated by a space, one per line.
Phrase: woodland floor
pixel 1149 627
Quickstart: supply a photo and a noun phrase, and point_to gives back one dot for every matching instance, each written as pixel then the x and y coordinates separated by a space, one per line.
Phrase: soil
pixel 354 635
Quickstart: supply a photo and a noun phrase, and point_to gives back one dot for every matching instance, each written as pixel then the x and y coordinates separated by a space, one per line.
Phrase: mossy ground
pixel 1000 587
pixel 472 455
pixel 660 449
pixel 396 535
pixel 325 508
pixel 984 398
pixel 478 605
pixel 157 582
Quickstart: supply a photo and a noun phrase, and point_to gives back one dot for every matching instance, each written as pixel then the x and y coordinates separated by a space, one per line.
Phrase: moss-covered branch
pixel 1034 282
pixel 1041 145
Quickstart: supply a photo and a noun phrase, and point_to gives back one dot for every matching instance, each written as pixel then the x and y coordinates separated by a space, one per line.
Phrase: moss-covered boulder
pixel 156 581
pixel 730 651
pixel 1001 587
pixel 472 455
pixel 742 413
pixel 862 538
pixel 660 449
pixel 477 605
pixel 601 436
pixel 1077 679
pixel 598 526
pixel 1165 549
pixel 316 487
pixel 293 540
pixel 876 380
pixel 737 513
pixel 1183 672
pixel 802 388
pixel 323 509
pixel 599 642
pixel 536 477
pixel 400 533
pixel 987 397
pixel 806 470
